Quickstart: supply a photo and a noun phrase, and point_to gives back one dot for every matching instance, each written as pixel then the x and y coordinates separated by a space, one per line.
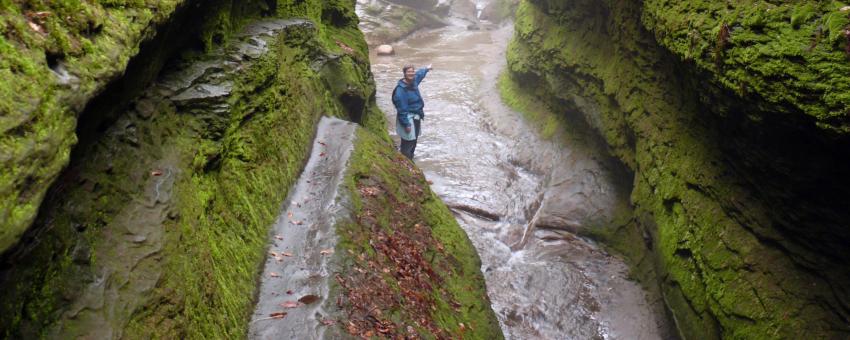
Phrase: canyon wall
pixel 734 120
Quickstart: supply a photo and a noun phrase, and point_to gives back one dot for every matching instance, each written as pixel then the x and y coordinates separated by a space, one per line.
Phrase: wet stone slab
pixel 294 289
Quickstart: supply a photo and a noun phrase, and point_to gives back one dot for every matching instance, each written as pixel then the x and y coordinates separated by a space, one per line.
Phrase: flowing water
pixel 499 177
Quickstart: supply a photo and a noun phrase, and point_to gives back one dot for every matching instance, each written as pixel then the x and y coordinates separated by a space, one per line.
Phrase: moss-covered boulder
pixel 733 120
pixel 158 225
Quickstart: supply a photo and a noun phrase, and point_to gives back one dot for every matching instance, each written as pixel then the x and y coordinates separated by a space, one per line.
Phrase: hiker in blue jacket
pixel 408 103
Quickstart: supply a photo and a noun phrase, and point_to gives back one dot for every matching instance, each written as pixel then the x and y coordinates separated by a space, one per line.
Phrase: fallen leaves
pixel 278 237
pixel 36 27
pixel 369 191
pixel 290 304
pixel 345 47
pixel 308 299
pixel 273 316
pixel 155 173
pixel 276 256
pixel 37 20
pixel 273 274
pixel 399 274
pixel 328 251
pixel 40 16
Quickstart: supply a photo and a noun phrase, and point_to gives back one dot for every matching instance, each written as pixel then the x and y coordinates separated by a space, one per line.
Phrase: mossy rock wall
pixel 166 205
pixel 790 58
pixel 56 56
pixel 738 186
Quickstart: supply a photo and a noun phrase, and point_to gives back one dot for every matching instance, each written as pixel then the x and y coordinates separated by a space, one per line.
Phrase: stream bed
pixel 520 197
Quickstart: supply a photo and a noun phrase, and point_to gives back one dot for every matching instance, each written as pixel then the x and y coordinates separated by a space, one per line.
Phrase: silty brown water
pixel 500 177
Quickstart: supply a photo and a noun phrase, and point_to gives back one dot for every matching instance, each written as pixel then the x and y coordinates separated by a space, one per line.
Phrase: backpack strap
pixel 392 98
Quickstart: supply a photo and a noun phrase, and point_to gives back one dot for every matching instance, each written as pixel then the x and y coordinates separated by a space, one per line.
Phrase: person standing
pixel 409 104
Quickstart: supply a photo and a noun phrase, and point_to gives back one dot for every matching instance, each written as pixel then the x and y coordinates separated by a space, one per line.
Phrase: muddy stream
pixel 499 178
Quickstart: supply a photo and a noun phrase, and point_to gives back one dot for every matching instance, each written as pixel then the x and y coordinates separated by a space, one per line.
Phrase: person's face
pixel 409 74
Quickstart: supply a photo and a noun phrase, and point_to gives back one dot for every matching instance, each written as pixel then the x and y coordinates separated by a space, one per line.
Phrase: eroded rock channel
pixel 520 197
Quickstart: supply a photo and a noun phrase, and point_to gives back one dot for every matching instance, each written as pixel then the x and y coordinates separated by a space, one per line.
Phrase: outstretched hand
pixel 429 67
pixel 407 129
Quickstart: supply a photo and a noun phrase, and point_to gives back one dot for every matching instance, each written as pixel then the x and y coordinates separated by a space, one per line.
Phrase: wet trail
pixel 295 269
pixel 499 177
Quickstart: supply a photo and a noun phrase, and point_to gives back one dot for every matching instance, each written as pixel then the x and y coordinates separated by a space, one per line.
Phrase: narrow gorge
pixel 219 169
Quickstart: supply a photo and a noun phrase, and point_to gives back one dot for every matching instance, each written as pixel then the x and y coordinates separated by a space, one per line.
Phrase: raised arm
pixel 420 74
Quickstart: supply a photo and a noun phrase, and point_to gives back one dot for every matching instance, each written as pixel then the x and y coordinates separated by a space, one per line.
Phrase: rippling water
pixel 485 161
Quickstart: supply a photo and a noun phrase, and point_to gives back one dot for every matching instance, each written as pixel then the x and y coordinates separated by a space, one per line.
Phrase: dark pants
pixel 408 146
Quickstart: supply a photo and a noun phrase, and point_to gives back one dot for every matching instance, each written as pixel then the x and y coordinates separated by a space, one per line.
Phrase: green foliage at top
pixel 793 55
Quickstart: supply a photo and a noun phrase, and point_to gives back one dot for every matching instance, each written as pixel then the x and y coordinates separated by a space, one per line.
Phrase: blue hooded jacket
pixel 407 100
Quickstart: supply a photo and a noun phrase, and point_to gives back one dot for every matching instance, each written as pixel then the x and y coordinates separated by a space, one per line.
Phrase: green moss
pixel 227 211
pixel 801 14
pixel 790 55
pixel 546 122
pixel 37 113
pixel 233 170
pixel 709 237
pixel 391 200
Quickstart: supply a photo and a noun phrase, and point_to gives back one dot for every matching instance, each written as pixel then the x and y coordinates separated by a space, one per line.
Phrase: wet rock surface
pixel 387 21
pixel 117 269
pixel 299 260
pixel 521 198
pixel 362 249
